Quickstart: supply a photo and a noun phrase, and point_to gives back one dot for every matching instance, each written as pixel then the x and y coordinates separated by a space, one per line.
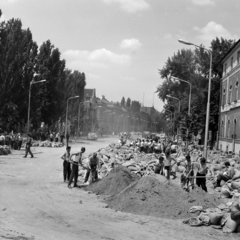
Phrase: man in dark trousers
pixel 28 148
pixel 66 164
pixel 77 161
pixel 92 168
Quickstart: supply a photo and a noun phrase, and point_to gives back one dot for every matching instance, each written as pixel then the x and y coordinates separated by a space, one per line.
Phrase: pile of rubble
pixel 224 216
pixel 139 163
pixel 4 150
pixel 130 185
pixel 44 144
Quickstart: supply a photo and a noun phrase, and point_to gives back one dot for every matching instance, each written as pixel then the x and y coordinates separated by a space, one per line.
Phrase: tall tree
pixel 123 102
pixel 135 106
pixel 17 64
pixel 128 104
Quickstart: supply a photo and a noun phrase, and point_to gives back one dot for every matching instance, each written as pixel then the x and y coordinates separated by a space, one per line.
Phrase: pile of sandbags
pixel 225 216
pixel 4 150
pixel 44 144
pixel 115 155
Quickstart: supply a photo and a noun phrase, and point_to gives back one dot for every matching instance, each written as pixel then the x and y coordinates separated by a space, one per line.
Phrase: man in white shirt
pixel 66 164
pixel 77 161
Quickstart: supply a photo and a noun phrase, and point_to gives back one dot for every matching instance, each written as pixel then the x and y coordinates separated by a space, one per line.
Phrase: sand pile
pixel 149 196
pixel 117 180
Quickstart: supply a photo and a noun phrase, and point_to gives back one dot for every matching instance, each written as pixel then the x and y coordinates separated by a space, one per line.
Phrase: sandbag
pixel 215 217
pixel 235 185
pixel 133 168
pixel 230 225
pixel 129 163
pixel 225 192
pixel 180 169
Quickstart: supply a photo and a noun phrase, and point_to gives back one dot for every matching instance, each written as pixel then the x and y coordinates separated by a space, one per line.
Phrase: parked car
pixel 92 136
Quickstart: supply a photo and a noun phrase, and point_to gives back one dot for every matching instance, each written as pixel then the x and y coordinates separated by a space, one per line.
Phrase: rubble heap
pixel 149 196
pixel 117 180
pixel 5 150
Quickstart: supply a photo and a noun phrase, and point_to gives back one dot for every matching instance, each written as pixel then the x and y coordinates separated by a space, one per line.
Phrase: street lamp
pixel 190 92
pixel 67 118
pixel 209 94
pixel 29 99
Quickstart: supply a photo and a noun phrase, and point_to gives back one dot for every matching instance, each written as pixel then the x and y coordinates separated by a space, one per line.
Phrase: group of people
pixel 168 165
pixel 14 141
pixel 71 166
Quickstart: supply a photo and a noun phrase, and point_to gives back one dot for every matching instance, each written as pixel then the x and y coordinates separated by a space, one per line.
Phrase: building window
pixel 238 57
pixel 224 97
pixel 228 130
pixel 222 131
pixel 234 130
pixel 230 94
pixel 225 68
pixel 236 88
pixel 232 63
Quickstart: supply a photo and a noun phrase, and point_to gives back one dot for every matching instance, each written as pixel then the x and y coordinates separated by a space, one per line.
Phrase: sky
pixel 121 44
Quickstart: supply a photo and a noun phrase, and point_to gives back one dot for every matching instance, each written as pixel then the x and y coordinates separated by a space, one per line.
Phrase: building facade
pixel 229 121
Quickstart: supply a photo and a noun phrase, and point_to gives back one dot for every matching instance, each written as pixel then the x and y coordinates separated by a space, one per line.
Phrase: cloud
pixel 131 6
pixel 203 2
pixel 8 1
pixel 213 30
pixel 99 58
pixel 168 36
pixel 129 79
pixel 132 44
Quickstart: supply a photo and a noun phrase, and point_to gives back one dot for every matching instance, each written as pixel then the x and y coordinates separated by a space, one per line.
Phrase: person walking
pixel 66 164
pixel 94 163
pixel 77 161
pixel 28 148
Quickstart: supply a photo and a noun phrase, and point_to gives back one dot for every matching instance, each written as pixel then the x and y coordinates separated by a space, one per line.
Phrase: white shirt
pixel 2 138
pixel 78 158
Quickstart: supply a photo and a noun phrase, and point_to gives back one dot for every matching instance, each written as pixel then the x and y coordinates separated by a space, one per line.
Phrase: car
pixel 92 136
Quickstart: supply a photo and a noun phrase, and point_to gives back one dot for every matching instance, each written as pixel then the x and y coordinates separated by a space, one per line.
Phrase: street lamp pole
pixel 67 118
pixel 209 94
pixel 29 100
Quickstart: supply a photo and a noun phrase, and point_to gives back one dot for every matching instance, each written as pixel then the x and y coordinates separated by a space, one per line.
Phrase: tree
pixel 128 104
pixel 17 64
pixel 135 106
pixel 123 102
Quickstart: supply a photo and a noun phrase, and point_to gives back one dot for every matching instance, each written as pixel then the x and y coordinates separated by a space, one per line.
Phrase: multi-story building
pixel 229 121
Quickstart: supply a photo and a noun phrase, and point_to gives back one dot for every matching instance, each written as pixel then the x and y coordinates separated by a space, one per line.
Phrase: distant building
pixel 229 121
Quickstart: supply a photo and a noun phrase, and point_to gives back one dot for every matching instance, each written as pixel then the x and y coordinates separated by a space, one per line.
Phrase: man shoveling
pixel 93 164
